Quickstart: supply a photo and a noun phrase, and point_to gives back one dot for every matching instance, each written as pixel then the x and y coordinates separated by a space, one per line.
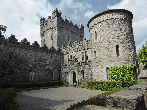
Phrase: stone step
pixel 127 99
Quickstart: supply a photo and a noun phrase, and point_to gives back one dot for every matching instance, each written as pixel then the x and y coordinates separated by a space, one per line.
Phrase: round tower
pixel 111 34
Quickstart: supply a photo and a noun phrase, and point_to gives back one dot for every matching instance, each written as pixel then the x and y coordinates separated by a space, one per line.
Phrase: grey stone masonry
pixel 127 100
pixel 58 32
pixel 27 63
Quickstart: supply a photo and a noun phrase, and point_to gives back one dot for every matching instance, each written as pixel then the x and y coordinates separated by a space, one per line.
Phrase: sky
pixel 22 17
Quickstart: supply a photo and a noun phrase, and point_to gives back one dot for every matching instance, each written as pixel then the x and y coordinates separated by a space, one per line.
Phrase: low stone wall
pixel 135 98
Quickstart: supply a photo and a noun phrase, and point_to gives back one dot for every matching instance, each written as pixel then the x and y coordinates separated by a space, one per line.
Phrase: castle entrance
pixel 74 78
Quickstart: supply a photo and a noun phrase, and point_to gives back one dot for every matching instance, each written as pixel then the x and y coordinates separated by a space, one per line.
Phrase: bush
pixel 7 100
pixel 106 85
pixel 122 73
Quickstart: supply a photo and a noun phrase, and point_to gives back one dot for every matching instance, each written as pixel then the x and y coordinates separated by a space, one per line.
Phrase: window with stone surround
pixel 82 56
pixel 95 36
pixel 83 76
pixel 94 53
pixel 68 38
pixel 86 56
pixel 107 71
pixel 11 56
pixel 117 50
pixel 51 37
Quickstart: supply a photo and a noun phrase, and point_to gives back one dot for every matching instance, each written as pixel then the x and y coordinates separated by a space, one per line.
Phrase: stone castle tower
pixel 112 35
pixel 58 32
pixel 111 44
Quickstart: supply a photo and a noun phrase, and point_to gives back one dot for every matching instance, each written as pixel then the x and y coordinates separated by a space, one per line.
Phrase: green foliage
pixel 142 55
pixel 7 99
pixel 106 85
pixel 122 73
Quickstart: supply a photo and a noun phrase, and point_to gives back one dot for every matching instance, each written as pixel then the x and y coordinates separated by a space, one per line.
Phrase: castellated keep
pixel 65 55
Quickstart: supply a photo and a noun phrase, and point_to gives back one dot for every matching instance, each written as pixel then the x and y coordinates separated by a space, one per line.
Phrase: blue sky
pixel 22 17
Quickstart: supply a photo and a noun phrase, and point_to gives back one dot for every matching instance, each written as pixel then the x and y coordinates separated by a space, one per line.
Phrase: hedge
pixel 106 85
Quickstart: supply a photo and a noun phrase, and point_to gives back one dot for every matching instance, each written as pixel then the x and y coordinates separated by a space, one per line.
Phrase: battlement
pixel 44 22
pixel 24 44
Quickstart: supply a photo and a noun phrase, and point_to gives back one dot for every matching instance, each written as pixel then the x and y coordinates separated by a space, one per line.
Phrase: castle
pixel 66 55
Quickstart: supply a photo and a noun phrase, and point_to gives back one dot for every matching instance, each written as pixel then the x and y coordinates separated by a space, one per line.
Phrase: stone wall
pixel 112 35
pixel 58 32
pixel 27 62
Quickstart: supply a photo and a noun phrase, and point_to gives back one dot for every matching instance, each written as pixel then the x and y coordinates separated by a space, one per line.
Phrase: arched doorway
pixel 74 78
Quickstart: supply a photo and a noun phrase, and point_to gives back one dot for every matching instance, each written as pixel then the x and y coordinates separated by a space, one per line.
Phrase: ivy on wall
pixel 122 73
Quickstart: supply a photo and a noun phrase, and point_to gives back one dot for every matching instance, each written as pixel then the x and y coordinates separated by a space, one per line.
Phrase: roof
pixel 109 11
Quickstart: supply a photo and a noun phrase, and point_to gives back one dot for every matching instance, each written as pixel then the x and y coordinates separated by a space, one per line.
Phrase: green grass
pixel 7 100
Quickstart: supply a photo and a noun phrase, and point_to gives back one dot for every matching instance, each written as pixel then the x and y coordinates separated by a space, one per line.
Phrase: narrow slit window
pixel 94 53
pixel 95 35
pixel 51 37
pixel 68 38
pixel 117 50
pixel 107 71
pixel 82 56
pixel 83 76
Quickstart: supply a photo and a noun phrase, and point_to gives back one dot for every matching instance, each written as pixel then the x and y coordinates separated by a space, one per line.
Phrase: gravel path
pixel 53 98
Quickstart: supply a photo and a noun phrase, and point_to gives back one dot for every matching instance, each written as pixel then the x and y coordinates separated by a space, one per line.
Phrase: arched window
pixel 95 35
pixel 117 50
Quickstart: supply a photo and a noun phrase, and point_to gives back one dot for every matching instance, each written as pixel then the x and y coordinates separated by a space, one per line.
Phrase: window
pixel 95 36
pixel 11 56
pixel 86 56
pixel 107 71
pixel 52 75
pixel 51 37
pixel 82 56
pixel 94 53
pixel 82 74
pixel 68 38
pixel 117 50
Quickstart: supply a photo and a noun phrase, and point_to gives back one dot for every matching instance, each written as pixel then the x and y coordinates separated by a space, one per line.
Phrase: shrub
pixel 122 73
pixel 106 85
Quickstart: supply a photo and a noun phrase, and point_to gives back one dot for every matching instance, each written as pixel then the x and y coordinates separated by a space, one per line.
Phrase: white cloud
pixel 73 4
pixel 89 14
pixel 22 17
pixel 138 8
pixel 77 7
